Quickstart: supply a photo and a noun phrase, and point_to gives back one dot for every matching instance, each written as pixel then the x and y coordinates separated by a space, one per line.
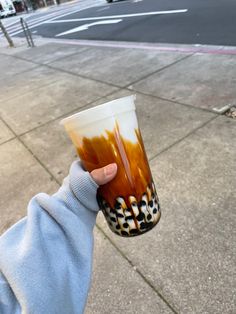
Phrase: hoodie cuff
pixel 83 186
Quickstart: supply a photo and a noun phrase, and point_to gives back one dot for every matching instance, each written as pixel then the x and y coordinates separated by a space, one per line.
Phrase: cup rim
pixel 100 112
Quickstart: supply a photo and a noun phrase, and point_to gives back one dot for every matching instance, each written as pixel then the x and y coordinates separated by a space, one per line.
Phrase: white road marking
pixel 86 26
pixel 34 24
pixel 117 16
pixel 41 19
pixel 17 27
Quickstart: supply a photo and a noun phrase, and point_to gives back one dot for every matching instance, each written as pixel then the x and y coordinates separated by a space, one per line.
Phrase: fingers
pixel 104 175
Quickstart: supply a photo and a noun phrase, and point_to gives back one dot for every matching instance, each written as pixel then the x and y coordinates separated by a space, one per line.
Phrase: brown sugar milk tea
pixel 110 133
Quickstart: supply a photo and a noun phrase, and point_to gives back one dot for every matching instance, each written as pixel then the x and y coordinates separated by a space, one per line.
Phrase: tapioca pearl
pixel 144 208
pixel 134 231
pixel 142 203
pixel 124 233
pixel 112 214
pixel 121 219
pixel 149 217
pixel 149 225
pixel 125 225
pixel 143 225
pixel 118 227
pixel 140 216
pixel 131 224
pixel 121 201
pixel 127 218
pixel 117 205
pixel 145 200
pixel 121 222
pixel 134 205
pixel 150 203
pixel 113 219
pixel 128 209
pixel 155 210
pixel 119 215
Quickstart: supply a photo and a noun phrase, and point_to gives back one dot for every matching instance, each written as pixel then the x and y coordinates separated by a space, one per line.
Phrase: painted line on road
pixel 87 26
pixel 117 16
pixel 40 22
pixel 14 28
pixel 33 24
pixel 217 50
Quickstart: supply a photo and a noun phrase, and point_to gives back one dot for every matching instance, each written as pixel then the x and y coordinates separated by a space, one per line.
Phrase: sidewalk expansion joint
pixel 82 76
pixel 9 140
pixel 100 81
pixel 173 101
pixel 65 71
pixel 184 137
pixel 30 91
pixel 138 271
pixel 30 151
pixel 158 70
pixel 67 113
pixel 68 56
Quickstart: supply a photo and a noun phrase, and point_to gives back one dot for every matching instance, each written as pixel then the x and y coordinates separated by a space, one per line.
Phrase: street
pixel 164 21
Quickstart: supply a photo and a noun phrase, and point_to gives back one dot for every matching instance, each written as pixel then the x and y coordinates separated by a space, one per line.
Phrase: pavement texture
pixel 187 263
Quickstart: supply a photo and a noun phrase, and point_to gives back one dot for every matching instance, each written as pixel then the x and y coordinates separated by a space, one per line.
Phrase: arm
pixel 46 258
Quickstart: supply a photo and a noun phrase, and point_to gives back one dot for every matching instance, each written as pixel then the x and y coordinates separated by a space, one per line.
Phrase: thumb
pixel 104 175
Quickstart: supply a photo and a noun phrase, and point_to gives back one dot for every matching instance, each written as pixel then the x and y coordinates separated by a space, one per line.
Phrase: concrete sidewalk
pixel 187 263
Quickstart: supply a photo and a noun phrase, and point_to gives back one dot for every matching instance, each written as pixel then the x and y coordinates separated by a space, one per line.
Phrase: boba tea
pixel 110 133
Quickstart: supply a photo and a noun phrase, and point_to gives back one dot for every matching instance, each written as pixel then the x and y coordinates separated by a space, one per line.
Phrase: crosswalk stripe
pixel 15 27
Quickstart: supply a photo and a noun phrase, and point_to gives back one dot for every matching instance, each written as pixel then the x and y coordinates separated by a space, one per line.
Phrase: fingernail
pixel 110 169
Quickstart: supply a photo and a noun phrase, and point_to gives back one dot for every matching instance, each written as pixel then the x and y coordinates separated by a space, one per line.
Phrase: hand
pixel 104 175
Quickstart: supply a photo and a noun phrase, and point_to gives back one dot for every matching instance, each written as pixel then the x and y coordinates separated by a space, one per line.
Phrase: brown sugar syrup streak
pixel 133 176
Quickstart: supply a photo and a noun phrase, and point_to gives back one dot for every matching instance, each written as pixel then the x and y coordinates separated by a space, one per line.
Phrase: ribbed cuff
pixel 83 186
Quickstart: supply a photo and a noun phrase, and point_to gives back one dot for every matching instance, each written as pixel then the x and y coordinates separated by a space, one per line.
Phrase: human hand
pixel 104 175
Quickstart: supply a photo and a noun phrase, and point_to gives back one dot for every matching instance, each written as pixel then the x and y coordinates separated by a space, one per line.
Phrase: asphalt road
pixel 208 22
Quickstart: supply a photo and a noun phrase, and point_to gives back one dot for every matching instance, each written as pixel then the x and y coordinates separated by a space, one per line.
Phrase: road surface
pixel 206 22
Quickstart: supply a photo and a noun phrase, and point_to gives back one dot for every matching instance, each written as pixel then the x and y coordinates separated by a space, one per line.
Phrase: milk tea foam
pixel 104 117
pixel 110 133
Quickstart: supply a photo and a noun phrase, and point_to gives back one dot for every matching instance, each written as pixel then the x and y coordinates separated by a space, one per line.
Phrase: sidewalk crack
pixel 158 70
pixel 171 307
pixel 183 138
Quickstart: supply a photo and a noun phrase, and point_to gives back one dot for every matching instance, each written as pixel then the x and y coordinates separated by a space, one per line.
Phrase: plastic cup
pixel 110 133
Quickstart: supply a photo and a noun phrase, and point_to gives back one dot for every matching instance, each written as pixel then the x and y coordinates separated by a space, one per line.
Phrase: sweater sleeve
pixel 46 258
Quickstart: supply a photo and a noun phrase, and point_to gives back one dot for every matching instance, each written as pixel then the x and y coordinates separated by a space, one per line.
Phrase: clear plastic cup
pixel 110 133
